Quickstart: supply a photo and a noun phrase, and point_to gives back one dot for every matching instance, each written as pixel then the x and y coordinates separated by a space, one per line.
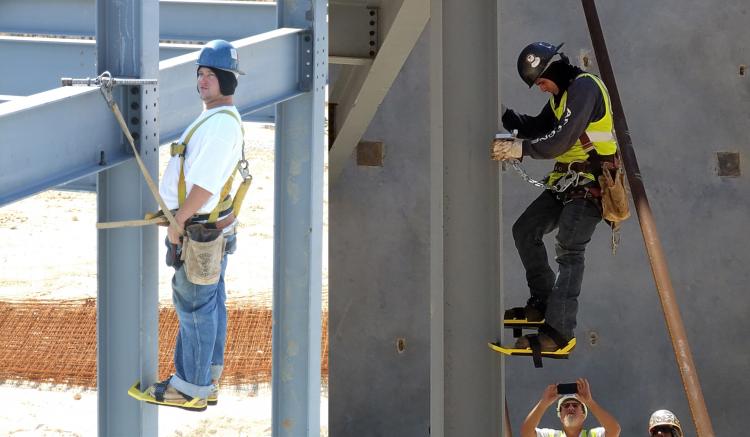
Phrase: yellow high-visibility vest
pixel 584 433
pixel 600 132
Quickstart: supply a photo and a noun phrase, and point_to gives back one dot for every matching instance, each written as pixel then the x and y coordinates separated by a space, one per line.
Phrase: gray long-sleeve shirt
pixel 545 137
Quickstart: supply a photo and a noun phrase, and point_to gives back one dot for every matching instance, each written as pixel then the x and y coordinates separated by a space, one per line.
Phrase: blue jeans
pixel 575 221
pixel 202 312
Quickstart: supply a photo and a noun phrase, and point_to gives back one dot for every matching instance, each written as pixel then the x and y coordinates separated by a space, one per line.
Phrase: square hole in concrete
pixel 728 164
pixel 370 153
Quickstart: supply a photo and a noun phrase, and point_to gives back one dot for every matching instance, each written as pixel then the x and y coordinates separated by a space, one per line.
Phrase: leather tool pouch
pixel 202 252
pixel 615 207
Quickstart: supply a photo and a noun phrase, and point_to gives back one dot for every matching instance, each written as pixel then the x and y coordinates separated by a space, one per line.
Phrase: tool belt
pixel 583 192
pixel 593 165
pixel 218 225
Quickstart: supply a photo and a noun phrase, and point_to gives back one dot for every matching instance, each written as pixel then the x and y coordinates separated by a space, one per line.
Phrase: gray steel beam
pixel 178 19
pixel 38 159
pixel 127 295
pixel 272 65
pixel 298 228
pixel 7 98
pixel 33 65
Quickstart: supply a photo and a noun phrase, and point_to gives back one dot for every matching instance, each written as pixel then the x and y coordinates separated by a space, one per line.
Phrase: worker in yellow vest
pixel 576 130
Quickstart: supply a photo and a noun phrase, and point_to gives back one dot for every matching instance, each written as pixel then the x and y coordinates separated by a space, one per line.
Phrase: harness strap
pixel 146 175
pixel 181 148
pixel 159 389
pixel 536 350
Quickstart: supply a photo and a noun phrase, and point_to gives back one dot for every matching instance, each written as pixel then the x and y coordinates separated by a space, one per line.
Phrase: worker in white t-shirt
pixel 195 181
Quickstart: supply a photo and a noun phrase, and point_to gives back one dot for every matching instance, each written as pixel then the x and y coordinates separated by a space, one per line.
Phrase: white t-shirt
pixel 546 432
pixel 211 157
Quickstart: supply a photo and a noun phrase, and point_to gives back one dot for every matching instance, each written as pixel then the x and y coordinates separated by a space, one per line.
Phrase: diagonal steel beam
pixel 182 20
pixel 7 98
pixel 404 32
pixel 273 64
pixel 35 159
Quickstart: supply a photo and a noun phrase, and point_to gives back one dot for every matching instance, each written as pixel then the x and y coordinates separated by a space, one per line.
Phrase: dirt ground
pixel 49 252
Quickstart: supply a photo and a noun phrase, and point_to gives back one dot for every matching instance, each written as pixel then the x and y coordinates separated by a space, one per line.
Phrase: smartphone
pixel 567 389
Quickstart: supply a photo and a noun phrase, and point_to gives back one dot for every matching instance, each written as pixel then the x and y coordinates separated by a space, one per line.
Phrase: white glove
pixel 506 148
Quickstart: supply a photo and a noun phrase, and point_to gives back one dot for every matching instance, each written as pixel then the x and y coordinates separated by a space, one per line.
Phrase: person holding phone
pixel 573 406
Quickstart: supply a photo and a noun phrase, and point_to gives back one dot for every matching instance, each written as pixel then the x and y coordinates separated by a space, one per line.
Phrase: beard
pixel 570 420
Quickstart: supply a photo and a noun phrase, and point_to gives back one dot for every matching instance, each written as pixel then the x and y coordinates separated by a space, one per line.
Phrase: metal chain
pixel 516 164
pixel 570 178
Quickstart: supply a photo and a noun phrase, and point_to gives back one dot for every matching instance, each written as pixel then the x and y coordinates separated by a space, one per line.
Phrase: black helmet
pixel 534 59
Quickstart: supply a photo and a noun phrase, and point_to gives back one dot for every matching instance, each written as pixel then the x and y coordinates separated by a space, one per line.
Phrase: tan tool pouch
pixel 202 252
pixel 615 207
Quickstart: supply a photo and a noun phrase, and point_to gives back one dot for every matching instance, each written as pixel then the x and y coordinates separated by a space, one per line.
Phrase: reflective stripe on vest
pixel 584 433
pixel 600 132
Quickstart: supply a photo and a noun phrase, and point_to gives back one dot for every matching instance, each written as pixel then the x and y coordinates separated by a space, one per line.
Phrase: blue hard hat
pixel 219 54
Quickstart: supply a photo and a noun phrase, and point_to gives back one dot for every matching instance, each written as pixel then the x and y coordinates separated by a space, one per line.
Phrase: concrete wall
pixel 379 271
pixel 412 243
pixel 677 68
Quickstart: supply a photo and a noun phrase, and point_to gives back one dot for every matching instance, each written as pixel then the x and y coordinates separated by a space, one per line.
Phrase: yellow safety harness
pixel 106 82
pixel 226 202
pixel 600 133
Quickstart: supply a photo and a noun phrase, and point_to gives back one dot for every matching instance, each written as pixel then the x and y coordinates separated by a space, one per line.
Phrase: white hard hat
pixel 574 397
pixel 664 417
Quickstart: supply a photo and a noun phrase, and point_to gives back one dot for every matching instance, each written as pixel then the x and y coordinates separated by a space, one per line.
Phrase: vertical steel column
pixel 298 224
pixel 127 298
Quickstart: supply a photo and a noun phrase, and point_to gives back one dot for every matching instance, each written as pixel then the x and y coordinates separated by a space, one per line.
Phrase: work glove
pixel 503 149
